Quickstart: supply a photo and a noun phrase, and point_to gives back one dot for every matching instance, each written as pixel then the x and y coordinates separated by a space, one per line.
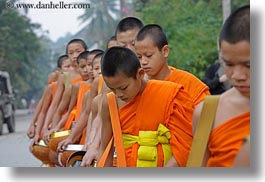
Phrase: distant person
pixel 216 79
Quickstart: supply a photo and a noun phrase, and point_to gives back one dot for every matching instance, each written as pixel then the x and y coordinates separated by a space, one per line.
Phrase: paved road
pixel 14 147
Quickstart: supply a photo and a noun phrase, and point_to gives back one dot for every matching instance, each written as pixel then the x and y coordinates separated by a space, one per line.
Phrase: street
pixel 15 146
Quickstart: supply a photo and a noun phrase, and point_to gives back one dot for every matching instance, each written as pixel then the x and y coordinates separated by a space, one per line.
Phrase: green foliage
pixel 192 28
pixel 21 53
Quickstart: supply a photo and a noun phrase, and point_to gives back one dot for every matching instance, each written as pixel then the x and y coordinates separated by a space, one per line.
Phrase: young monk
pixel 127 30
pixel 73 49
pixel 168 120
pixel 112 41
pixel 63 65
pixel 85 70
pixel 76 104
pixel 152 48
pixel 96 65
pixel 77 132
pixel 125 34
pixel 49 93
pixel 232 118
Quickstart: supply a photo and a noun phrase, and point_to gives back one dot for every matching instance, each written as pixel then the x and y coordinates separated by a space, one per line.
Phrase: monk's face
pixel 236 60
pixel 151 58
pixel 125 88
pixel 126 39
pixel 73 51
pixel 96 67
pixel 67 66
pixel 84 67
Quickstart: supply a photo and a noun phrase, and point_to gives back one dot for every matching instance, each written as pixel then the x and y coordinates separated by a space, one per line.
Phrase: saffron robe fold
pixel 226 140
pixel 195 87
pixel 161 102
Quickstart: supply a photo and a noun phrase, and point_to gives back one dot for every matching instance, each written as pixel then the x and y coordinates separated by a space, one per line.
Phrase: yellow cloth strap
pixel 203 131
pixel 148 141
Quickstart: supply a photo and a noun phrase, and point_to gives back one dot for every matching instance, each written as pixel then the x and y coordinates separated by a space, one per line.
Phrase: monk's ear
pixel 165 51
pixel 140 73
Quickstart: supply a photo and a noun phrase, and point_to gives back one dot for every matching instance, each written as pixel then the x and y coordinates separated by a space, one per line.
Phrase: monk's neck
pixel 163 74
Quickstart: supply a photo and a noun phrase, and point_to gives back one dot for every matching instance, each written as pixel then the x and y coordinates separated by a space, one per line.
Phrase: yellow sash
pixel 148 140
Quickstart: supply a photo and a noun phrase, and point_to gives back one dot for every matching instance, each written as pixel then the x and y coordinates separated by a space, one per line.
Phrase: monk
pixel 232 117
pixel 63 65
pixel 96 65
pixel 77 98
pixel 169 118
pixel 77 93
pixel 151 47
pixel 76 133
pixel 64 85
pixel 125 34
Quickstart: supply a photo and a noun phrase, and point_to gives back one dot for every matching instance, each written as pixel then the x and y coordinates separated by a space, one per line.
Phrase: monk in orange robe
pixel 73 49
pixel 197 89
pixel 84 86
pixel 74 137
pixel 163 109
pixel 152 48
pixel 232 117
pixel 63 65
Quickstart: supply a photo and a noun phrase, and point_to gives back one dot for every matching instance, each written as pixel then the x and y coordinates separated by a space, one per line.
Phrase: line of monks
pixel 126 107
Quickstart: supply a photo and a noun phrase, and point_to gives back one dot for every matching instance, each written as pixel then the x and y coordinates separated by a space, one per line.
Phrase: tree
pixel 192 28
pixel 20 49
pixel 100 19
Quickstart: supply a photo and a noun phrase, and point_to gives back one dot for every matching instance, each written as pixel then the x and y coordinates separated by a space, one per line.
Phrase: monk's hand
pixel 89 158
pixel 46 137
pixel 63 144
pixel 33 142
pixel 31 131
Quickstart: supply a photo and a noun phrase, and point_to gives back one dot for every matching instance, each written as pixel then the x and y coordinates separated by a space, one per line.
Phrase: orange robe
pixel 195 87
pixel 76 111
pixel 161 102
pixel 79 79
pixel 226 140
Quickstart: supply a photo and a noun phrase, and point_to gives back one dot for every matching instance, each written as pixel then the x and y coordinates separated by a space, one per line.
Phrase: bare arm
pixel 72 104
pixel 64 104
pixel 55 101
pixel 46 103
